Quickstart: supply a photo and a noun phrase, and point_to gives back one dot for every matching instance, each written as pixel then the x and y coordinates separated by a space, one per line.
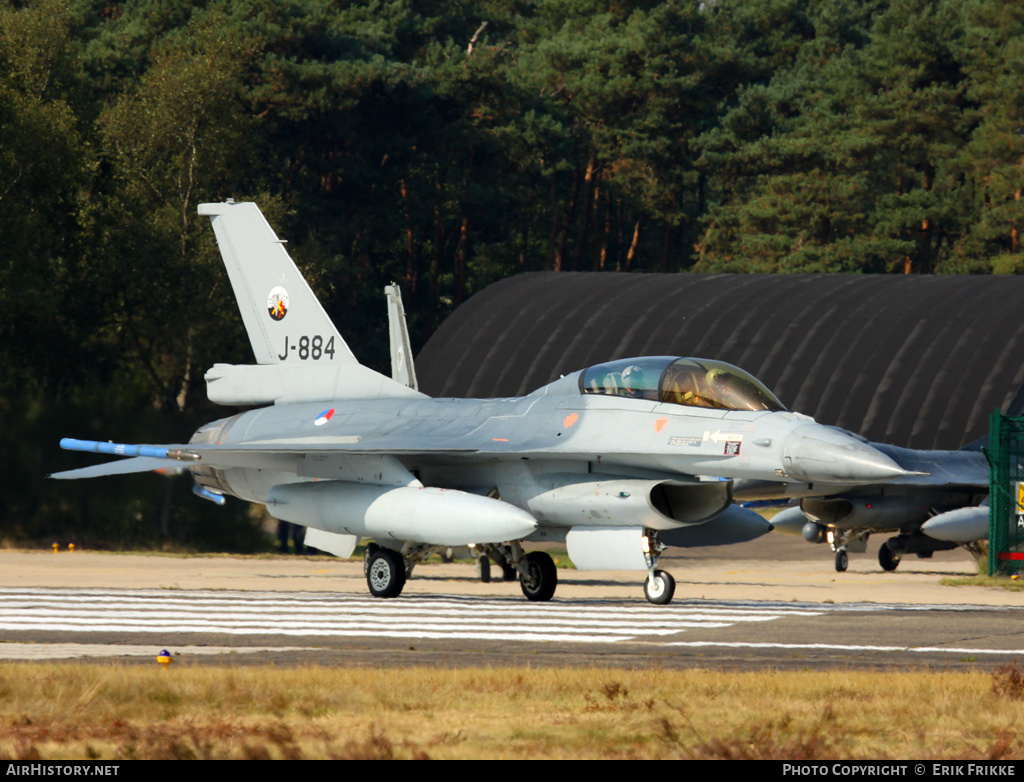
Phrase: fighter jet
pixel 604 459
pixel 939 505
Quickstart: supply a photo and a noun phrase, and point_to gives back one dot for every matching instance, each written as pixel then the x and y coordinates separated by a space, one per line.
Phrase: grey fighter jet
pixel 937 506
pixel 604 459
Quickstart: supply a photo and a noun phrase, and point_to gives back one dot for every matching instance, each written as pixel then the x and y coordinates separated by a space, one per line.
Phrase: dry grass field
pixel 74 711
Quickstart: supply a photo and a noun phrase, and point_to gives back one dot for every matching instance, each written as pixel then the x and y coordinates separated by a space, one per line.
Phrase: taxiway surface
pixel 754 609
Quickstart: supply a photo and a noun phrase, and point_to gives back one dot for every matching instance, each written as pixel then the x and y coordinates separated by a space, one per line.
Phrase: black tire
pixel 887 558
pixel 508 573
pixel 660 588
pixel 385 573
pixel 483 566
pixel 842 561
pixel 543 577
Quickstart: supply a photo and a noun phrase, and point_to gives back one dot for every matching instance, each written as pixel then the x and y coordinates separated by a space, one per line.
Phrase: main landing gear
pixel 387 570
pixel 887 558
pixel 385 573
pixel 538 576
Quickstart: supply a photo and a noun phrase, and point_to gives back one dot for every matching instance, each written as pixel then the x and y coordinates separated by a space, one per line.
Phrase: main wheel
pixel 385 573
pixel 483 569
pixel 660 587
pixel 543 579
pixel 887 558
pixel 842 561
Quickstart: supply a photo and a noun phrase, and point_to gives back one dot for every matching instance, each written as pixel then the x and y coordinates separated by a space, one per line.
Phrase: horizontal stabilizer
pixel 122 467
pixel 254 384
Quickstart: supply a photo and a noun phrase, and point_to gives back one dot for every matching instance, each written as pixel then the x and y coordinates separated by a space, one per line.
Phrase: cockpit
pixel 695 382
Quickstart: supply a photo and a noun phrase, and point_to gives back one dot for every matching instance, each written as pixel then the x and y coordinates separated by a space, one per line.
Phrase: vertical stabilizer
pixel 403 370
pixel 285 321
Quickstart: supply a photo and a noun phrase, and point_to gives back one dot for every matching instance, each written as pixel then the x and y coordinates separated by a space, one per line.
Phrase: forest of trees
pixel 444 145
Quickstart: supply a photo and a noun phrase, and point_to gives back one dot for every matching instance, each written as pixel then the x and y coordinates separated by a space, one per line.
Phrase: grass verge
pixel 66 711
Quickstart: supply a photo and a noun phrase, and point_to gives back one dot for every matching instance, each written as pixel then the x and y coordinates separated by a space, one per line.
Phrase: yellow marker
pixel 71 546
pixel 164 658
pixel 56 547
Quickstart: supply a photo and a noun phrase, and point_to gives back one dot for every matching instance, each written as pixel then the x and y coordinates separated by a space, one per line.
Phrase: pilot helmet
pixel 716 375
pixel 633 377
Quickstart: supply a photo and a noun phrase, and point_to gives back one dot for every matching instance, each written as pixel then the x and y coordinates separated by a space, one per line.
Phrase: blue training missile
pixel 206 494
pixel 124 449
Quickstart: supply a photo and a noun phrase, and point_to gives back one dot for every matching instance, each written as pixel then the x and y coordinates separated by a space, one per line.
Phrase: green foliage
pixel 445 146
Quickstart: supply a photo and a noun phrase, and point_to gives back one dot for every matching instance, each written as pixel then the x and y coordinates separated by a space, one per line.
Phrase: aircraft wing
pixel 267 453
pixel 264 452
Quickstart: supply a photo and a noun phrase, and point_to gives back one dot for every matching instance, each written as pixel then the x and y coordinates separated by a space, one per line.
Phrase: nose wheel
pixel 842 561
pixel 659 587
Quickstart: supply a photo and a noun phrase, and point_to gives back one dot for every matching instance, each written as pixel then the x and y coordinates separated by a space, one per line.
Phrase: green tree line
pixel 445 145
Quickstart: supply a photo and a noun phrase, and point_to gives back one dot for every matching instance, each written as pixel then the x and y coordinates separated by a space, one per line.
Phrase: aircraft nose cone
pixel 818 454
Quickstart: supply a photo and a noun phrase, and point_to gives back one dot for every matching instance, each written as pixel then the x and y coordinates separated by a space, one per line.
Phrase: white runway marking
pixel 166 612
pixel 846 647
pixel 169 614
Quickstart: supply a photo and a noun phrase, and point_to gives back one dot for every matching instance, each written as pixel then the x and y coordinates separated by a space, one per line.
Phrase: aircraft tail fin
pixel 300 356
pixel 403 370
pixel 285 321
pixel 1014 408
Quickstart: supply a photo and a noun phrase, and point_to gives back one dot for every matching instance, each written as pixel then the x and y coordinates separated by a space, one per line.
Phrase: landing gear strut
pixel 501 556
pixel 659 586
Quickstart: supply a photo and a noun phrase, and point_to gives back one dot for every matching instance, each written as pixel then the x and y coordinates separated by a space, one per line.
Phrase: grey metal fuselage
pixel 513 446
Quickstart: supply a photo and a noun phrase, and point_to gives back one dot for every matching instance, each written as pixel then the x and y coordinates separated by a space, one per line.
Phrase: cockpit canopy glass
pixel 695 382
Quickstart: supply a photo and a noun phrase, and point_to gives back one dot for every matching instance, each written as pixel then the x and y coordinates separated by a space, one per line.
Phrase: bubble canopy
pixel 695 382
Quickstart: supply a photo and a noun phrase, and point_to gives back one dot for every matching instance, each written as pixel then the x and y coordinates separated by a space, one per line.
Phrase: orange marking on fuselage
pixel 660 424
pixel 570 420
